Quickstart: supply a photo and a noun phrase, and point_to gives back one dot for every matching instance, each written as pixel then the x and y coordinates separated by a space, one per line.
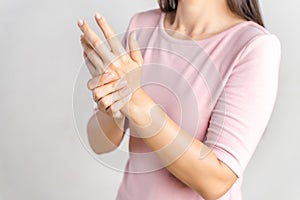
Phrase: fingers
pixel 110 35
pixel 92 69
pixel 92 56
pixel 115 109
pixel 112 97
pixel 135 52
pixel 105 102
pixel 109 88
pixel 92 38
pixel 101 80
pixel 118 105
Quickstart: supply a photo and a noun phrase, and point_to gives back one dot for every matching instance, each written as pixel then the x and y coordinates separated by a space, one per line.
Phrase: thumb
pixel 134 48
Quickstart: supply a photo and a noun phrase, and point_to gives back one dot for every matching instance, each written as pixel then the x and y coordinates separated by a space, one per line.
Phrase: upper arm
pixel 243 109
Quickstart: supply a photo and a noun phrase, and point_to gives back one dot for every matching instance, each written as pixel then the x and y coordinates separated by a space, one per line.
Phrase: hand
pixel 107 84
pixel 110 93
pixel 99 59
pixel 116 60
pixel 92 60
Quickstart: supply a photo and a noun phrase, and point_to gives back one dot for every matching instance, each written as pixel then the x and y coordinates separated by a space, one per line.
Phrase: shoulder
pixel 149 18
pixel 251 33
pixel 249 38
pixel 259 54
pixel 258 39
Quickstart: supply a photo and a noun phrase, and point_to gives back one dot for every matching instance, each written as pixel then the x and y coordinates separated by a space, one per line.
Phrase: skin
pixel 197 19
pixel 200 19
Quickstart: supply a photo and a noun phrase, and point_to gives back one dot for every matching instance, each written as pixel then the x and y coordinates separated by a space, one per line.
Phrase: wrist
pixel 138 108
pixel 147 118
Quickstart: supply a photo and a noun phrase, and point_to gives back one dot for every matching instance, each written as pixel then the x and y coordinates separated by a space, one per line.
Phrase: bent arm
pixel 211 167
pixel 180 153
pixel 104 132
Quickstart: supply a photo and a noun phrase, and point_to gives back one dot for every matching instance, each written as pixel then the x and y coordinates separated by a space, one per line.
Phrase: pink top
pixel 221 90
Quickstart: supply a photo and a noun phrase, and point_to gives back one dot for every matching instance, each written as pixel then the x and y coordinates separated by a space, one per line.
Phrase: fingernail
pixel 80 22
pixel 134 35
pixel 125 91
pixel 98 16
pixel 122 83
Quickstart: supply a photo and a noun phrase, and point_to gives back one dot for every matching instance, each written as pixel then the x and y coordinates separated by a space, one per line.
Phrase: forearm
pixel 104 132
pixel 185 157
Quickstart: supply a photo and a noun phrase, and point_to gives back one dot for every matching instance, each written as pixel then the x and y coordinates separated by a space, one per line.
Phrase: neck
pixel 202 17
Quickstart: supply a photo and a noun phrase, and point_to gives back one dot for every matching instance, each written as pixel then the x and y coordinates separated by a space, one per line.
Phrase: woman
pixel 196 89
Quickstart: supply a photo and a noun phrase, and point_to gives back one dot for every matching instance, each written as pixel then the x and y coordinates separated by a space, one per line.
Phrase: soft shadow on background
pixel 41 156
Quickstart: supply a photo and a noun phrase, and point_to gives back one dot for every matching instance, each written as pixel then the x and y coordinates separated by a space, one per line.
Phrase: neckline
pixel 189 41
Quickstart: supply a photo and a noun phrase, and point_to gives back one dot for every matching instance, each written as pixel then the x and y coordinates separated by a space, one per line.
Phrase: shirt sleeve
pixel 244 107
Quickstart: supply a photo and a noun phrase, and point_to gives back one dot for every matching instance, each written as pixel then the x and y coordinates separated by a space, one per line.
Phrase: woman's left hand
pixel 117 60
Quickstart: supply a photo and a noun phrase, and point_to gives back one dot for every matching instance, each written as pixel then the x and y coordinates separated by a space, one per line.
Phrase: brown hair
pixel 247 9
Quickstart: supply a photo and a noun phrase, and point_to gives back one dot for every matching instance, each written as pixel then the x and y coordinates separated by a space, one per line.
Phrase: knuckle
pixel 112 65
pixel 115 85
pixel 88 51
pixel 102 20
pixel 98 93
pixel 125 58
pixel 107 35
pixel 101 108
pixel 93 83
pixel 98 81
pixel 116 96
pixel 110 35
pixel 85 28
pixel 96 42
pixel 105 102
pixel 90 84
pixel 95 97
pixel 112 107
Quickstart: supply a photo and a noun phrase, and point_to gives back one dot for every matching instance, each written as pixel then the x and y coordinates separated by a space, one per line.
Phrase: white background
pixel 41 156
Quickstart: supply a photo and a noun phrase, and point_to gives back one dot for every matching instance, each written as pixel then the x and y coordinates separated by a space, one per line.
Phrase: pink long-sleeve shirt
pixel 221 90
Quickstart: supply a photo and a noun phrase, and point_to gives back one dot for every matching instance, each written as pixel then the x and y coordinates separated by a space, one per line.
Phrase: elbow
pixel 98 150
pixel 217 188
pixel 213 193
